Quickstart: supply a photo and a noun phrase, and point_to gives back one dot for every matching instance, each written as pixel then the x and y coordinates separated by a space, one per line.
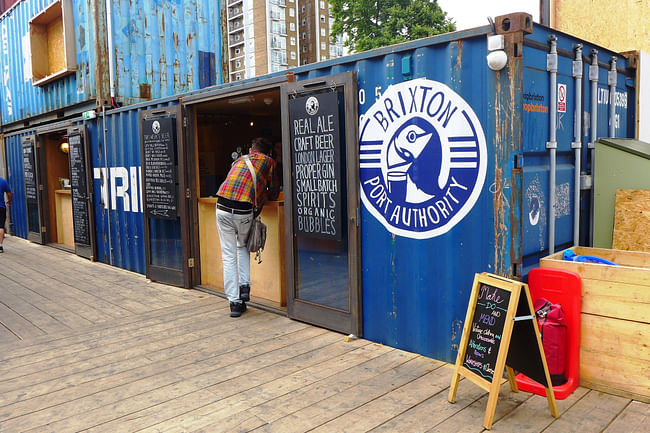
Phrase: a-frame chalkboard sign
pixel 500 332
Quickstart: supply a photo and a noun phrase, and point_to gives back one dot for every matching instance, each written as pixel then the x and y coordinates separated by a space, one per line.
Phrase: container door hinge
pixel 184 121
pixel 188 193
pixel 190 262
pixel 43 229
pixel 40 187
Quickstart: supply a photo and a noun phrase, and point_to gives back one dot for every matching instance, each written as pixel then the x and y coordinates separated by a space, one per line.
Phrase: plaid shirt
pixel 238 185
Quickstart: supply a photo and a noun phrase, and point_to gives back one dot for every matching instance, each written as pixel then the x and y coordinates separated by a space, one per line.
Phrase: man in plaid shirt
pixel 235 215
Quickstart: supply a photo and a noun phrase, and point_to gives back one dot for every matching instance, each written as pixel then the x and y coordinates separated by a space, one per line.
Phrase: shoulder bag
pixel 257 234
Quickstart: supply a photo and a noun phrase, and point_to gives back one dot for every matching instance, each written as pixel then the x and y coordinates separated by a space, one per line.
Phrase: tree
pixel 376 23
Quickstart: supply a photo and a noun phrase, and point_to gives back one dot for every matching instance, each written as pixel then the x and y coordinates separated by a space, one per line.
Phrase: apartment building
pixel 266 36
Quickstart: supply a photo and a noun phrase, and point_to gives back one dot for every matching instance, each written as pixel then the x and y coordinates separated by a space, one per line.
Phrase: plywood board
pixel 632 220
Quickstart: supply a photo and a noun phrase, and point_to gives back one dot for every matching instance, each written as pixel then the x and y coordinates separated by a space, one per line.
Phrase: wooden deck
pixel 89 347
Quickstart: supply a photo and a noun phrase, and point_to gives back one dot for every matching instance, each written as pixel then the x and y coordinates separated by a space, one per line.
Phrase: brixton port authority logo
pixel 423 159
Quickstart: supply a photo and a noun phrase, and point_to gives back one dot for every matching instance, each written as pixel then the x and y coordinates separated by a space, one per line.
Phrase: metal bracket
pixel 577 69
pixel 576 145
pixel 611 78
pixel 593 72
pixel 551 62
pixel 551 144
pixel 586 182
pixel 591 145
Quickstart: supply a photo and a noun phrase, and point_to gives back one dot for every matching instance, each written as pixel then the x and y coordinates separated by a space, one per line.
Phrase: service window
pixel 51 36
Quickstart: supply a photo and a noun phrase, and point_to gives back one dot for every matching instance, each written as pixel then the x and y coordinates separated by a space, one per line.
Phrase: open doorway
pixel 57 191
pixel 224 129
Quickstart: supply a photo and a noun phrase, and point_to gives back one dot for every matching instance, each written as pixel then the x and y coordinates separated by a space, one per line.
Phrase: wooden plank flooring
pixel 89 347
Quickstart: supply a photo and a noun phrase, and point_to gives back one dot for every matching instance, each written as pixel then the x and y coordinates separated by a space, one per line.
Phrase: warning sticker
pixel 561 98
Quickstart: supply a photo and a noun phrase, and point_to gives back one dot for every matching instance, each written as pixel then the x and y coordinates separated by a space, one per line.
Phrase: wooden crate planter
pixel 615 320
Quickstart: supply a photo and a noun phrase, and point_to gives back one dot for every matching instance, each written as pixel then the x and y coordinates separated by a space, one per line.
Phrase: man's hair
pixel 261 144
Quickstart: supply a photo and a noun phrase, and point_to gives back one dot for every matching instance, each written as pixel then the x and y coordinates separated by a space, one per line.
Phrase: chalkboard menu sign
pixel 29 173
pixel 486 330
pixel 159 171
pixel 500 332
pixel 316 165
pixel 79 186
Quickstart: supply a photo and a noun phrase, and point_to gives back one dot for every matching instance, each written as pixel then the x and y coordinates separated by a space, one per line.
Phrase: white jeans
pixel 233 232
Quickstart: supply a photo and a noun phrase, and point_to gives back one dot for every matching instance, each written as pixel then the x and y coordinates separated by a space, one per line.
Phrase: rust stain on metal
pixel 145 91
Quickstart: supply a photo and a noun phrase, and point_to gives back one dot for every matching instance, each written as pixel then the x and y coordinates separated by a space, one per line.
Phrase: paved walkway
pixel 89 347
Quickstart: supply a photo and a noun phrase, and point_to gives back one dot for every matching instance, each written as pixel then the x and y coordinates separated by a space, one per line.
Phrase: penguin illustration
pixel 414 161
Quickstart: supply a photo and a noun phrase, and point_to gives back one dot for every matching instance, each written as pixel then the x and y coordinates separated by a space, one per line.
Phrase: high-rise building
pixel 267 36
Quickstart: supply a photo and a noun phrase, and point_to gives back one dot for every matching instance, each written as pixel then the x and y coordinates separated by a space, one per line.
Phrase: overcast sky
pixel 474 13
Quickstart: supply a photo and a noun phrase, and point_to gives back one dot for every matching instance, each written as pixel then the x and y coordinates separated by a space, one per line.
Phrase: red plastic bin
pixel 564 288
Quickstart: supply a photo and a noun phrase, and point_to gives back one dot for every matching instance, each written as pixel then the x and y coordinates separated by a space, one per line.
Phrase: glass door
pixel 321 172
pixel 81 186
pixel 165 196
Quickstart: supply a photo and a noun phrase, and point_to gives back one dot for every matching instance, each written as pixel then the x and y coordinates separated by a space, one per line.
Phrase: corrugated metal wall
pixel 161 48
pixel 117 186
pixel 535 121
pixel 18 209
pixel 164 48
pixel 22 99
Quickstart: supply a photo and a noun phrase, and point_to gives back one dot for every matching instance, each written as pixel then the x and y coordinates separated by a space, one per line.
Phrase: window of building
pixel 51 37
pixel 277 13
pixel 323 58
pixel 238 64
pixel 292 26
pixel 322 4
pixel 293 41
pixel 237 50
pixel 302 9
pixel 238 77
pixel 293 55
pixel 304 36
pixel 278 27
pixel 323 46
pixel 292 12
pixel 304 49
pixel 322 31
pixel 322 18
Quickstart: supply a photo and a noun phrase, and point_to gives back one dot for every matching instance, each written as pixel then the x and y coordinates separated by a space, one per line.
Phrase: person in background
pixel 235 214
pixel 4 189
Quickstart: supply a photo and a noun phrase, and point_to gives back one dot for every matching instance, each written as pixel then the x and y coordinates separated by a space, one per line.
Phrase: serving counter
pixel 64 224
pixel 267 278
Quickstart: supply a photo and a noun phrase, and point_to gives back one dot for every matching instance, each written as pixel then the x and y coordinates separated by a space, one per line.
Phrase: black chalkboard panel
pixel 486 331
pixel 159 171
pixel 316 165
pixel 523 344
pixel 29 173
pixel 79 187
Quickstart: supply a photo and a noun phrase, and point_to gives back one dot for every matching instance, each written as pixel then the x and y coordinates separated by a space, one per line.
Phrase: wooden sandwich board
pixel 500 331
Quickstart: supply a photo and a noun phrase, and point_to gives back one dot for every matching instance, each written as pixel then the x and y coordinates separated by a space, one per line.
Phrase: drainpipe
pixel 551 66
pixel 107 185
pixel 611 81
pixel 111 55
pixel 577 144
pixel 593 78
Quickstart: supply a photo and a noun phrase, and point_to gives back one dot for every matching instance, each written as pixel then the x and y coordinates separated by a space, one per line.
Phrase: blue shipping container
pixel 175 48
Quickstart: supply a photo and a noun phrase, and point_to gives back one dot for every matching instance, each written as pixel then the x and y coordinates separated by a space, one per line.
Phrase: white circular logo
pixel 155 127
pixel 423 159
pixel 312 105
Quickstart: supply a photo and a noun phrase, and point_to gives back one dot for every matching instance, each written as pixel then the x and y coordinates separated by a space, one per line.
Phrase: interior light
pixel 241 100
pixel 252 123
pixel 65 147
